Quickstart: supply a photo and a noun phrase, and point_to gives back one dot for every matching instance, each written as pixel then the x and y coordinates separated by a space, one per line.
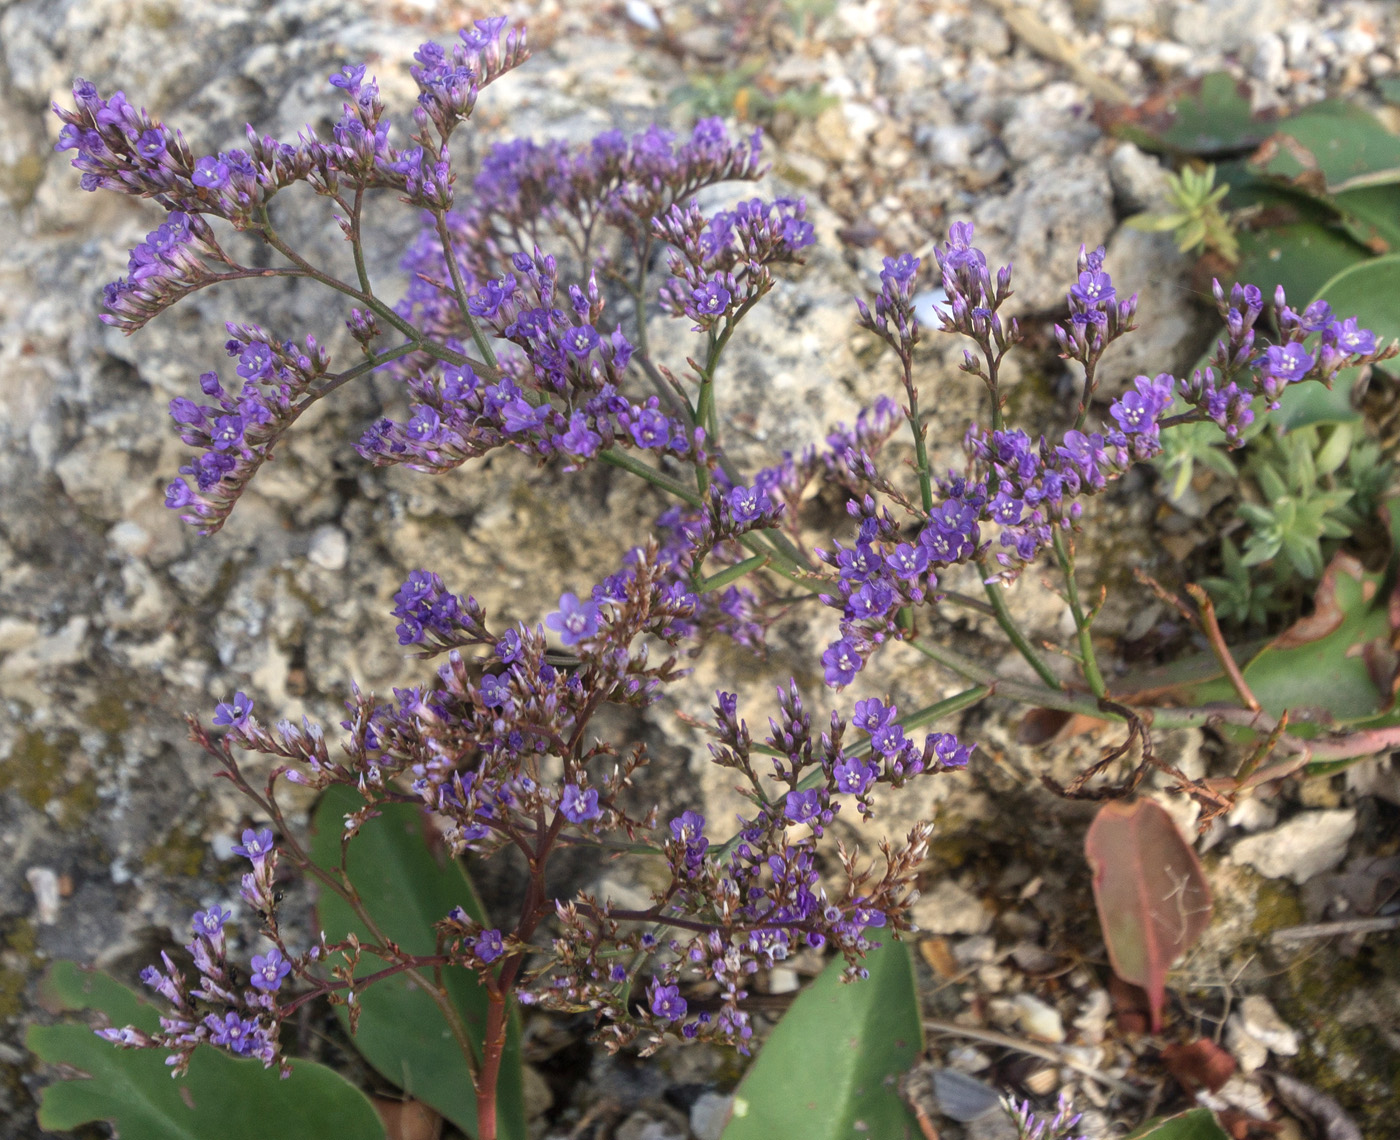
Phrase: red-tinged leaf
pixel 1131 1011
pixel 1152 896
pixel 1200 1065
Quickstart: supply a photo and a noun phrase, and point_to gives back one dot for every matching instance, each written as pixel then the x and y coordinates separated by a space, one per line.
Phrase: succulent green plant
pixel 1198 220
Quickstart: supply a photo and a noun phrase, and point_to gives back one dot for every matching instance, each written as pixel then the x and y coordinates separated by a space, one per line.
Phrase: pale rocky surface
pixel 115 619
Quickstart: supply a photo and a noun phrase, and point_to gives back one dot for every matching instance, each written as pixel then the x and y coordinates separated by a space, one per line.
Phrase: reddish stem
pixel 493 1047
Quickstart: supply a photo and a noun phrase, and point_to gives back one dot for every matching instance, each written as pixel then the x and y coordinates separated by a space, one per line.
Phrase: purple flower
pixel 186 411
pixel 210 172
pixel 854 776
pixel 178 495
pixel 151 144
pixel 901 270
pixel 871 714
pixel 1352 339
pixel 688 826
pixel 666 1001
pixel 255 361
pixel 508 646
pixel 948 751
pixel 489 946
pixel 574 620
pixel 350 78
pixel 1288 362
pixel 580 340
pixel 579 806
pixel 256 845
pixel 580 439
pixel 269 969
pixel 843 661
pixel 1094 288
pixel 234 715
pixel 748 504
pixel 227 433
pixel 907 562
pixel 208 923
pixel 488 300
pixel 710 300
pixel 233 1033
pixel 651 429
pixel 888 739
pixel 803 807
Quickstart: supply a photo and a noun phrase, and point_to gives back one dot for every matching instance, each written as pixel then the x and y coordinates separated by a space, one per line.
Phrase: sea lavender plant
pixel 500 344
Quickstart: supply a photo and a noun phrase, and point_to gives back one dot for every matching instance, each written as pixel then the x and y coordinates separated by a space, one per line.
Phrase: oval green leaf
pixel 1198 1124
pixel 401 1032
pixel 832 1066
pixel 221 1098
pixel 1370 292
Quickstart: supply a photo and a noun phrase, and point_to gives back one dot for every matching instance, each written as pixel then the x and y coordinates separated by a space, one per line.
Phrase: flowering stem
pixel 340 883
pixel 459 289
pixel 371 302
pixel 1088 658
pixel 1090 384
pixel 616 457
pixel 356 245
pixel 1012 630
pixel 779 563
pixel 494 1042
pixel 920 431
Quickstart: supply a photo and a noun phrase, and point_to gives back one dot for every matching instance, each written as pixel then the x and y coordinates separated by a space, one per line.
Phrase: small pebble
pixel 1038 1019
pixel 44 883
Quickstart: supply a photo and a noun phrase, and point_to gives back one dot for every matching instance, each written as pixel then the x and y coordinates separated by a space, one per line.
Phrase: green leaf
pixel 832 1066
pixel 1370 292
pixel 1198 1124
pixel 1320 662
pixel 1300 256
pixel 402 1033
pixel 1372 216
pixel 1335 451
pixel 1211 116
pixel 221 1098
pixel 1347 144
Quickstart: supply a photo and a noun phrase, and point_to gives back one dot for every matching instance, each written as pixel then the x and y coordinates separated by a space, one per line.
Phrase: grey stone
pixel 1308 844
pixel 946 908
pixel 709 1114
pixel 1056 203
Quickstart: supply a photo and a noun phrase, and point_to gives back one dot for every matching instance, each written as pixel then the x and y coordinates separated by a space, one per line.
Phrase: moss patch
pixel 1348 1057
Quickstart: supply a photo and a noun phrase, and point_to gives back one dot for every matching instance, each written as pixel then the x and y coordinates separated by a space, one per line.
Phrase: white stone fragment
pixel 783 980
pixel 1039 1020
pixel 43 881
pixel 1263 1023
pixel 1251 1053
pixel 1252 814
pixel 947 908
pixel 1308 844
pixel 330 548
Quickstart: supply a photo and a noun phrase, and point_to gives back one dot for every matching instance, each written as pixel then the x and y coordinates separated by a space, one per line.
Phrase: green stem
pixel 356 245
pixel 616 457
pixel 459 290
pixel 1088 659
pixel 920 447
pixel 995 595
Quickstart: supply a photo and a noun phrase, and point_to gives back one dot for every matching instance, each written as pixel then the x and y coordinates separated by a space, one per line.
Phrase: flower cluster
pixel 496 347
pixel 749 903
pixel 1030 1126
pixel 527 191
pixel 238 429
pixel 242 1018
pixel 720 264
